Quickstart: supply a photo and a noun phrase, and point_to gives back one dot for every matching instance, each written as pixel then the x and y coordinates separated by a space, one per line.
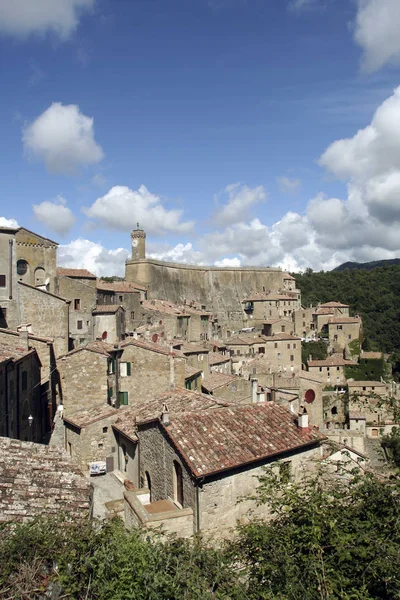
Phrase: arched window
pixel 40 276
pixel 22 267
pixel 334 410
pixel 178 483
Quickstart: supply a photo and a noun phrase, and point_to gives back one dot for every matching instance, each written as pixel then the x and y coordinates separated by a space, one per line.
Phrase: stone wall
pixel 47 313
pixel 83 379
pixel 91 443
pixel 237 391
pixel 8 292
pixel 82 295
pixel 221 290
pixel 41 256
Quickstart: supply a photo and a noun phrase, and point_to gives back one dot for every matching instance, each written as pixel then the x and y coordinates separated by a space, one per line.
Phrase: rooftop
pixel 165 307
pixel 36 479
pixel 262 296
pixel 83 418
pixel 152 346
pixel 106 308
pixel 191 371
pixel 77 273
pixel 334 305
pixel 366 384
pixel 371 355
pixel 120 286
pixel 216 358
pixel 332 361
pixel 10 351
pixel 221 439
pixel 213 381
pixel 333 320
pixel 97 347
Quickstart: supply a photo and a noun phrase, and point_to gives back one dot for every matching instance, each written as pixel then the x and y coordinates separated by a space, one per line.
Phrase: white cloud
pixel 63 138
pixel 287 185
pixel 121 208
pixel 181 253
pixel 25 17
pixel 4 222
pixel 84 254
pixel 99 180
pixel 228 262
pixel 300 5
pixel 55 215
pixel 377 32
pixel 241 200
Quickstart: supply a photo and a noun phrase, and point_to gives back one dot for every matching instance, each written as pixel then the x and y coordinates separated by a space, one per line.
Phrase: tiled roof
pixel 334 305
pixel 288 276
pixel 31 336
pixel 242 340
pixel 216 358
pixel 120 286
pixel 191 372
pixel 36 479
pixel 213 441
pixel 165 307
pixel 333 320
pixel 331 361
pixel 9 351
pixel 106 308
pixel 323 311
pixel 97 347
pixel 83 418
pixel 280 336
pixel 79 273
pixel 178 401
pixel 371 355
pixel 192 347
pixel 139 343
pixel 366 384
pixel 261 296
pixel 214 381
pixel 216 344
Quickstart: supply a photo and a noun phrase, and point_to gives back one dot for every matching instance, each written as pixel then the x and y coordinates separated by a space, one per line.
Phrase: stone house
pixel 368 399
pixel 193 377
pixel 196 355
pixel 79 287
pixel 331 369
pixel 283 352
pixel 84 377
pixel 344 330
pixel 109 323
pixel 140 370
pixel 167 320
pixel 304 326
pixel 126 294
pixel 37 480
pixel 220 363
pixel 227 387
pixel 273 326
pixel 329 310
pixel 302 392
pixel 47 314
pixel 8 278
pixel 89 436
pixel 36 259
pixel 24 413
pixel 268 305
pixel 192 487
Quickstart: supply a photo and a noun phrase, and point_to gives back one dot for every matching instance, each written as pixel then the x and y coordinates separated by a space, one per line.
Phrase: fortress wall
pixel 219 289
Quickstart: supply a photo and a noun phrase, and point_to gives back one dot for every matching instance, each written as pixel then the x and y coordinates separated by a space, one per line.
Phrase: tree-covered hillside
pixel 375 294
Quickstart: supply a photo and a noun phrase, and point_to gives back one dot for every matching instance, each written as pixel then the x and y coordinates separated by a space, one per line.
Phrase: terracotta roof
pixel 165 307
pixel 97 347
pixel 83 418
pixel 288 276
pixel 216 358
pixel 31 336
pixel 332 361
pixel 120 286
pixel 323 311
pixel 217 440
pixel 262 296
pixel 178 401
pixel 213 381
pixel 139 343
pixel 280 336
pixel 106 308
pixel 242 340
pixel 371 355
pixel 14 352
pixel 334 305
pixel 79 273
pixel 193 347
pixel 38 289
pixel 344 320
pixel 366 384
pixel 191 372
pixel 216 344
pixel 36 479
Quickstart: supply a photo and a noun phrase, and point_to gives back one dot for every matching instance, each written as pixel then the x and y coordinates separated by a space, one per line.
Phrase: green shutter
pixel 123 398
pixel 128 368
pixel 110 392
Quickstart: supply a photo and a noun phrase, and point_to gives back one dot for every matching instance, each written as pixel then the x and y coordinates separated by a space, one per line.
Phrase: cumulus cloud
pixel 4 222
pixel 121 208
pixel 25 17
pixel 287 185
pixel 55 215
pixel 377 32
pixel 181 253
pixel 63 138
pixel 84 254
pixel 300 5
pixel 241 200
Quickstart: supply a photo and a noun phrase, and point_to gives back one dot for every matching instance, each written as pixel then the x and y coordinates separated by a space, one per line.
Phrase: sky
pixel 236 132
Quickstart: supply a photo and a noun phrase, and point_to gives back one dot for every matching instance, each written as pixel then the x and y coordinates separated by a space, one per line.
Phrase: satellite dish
pixel 154 338
pixel 104 335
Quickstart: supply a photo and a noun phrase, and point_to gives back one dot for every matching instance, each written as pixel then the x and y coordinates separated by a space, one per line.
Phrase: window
pixel 110 392
pixel 288 346
pixel 275 344
pixel 2 281
pixel 340 327
pixel 188 385
pixel 111 366
pixel 279 354
pixel 334 410
pixel 148 482
pixel 120 298
pixel 100 445
pixel 178 483
pixel 79 324
pixel 24 381
pixel 125 369
pixel 123 398
pixel 304 323
pixel 22 267
pixel 132 314
pixel 291 358
pixel 283 328
pixel 105 429
pixel 349 336
pixel 294 346
pixel 285 472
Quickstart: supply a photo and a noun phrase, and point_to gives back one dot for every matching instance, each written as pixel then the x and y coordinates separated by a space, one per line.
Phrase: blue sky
pixel 236 131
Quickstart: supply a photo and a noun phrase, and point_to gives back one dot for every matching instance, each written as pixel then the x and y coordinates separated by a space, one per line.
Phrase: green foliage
pixel 366 370
pixel 375 294
pixel 317 350
pixel 106 562
pixel 355 348
pixel 338 541
pixel 391 445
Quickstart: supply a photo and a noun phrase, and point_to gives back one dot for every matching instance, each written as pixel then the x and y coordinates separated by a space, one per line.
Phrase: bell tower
pixel 138 237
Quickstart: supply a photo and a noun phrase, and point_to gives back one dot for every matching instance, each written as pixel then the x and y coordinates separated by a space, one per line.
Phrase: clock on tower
pixel 138 237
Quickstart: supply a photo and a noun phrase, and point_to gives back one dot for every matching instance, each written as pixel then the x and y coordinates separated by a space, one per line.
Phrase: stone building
pixel 344 330
pixel 109 323
pixel 332 370
pixel 36 259
pixel 192 488
pixel 329 310
pixel 165 319
pixel 24 411
pixel 273 326
pixel 196 354
pixel 227 387
pixel 128 295
pixel 37 480
pixel 221 363
pixel 79 287
pixel 283 352
pixel 8 278
pixel 367 399
pixel 84 377
pixel 304 326
pixel 263 306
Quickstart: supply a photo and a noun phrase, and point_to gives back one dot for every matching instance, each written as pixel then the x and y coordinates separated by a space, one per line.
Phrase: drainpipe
pixel 116 363
pixel 198 527
pixel 171 370
pixel 254 388
pixel 10 245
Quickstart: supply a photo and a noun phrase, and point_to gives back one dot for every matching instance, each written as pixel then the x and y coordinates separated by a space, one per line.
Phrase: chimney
pixel 24 339
pixel 171 369
pixel 165 420
pixel 254 388
pixel 303 419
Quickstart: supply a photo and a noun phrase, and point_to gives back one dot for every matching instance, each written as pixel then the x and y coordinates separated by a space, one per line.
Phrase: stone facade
pixel 109 323
pixel 82 296
pixel 342 331
pixel 8 278
pixel 36 259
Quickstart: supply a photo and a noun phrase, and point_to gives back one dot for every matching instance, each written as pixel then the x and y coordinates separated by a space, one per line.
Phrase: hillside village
pixel 175 386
